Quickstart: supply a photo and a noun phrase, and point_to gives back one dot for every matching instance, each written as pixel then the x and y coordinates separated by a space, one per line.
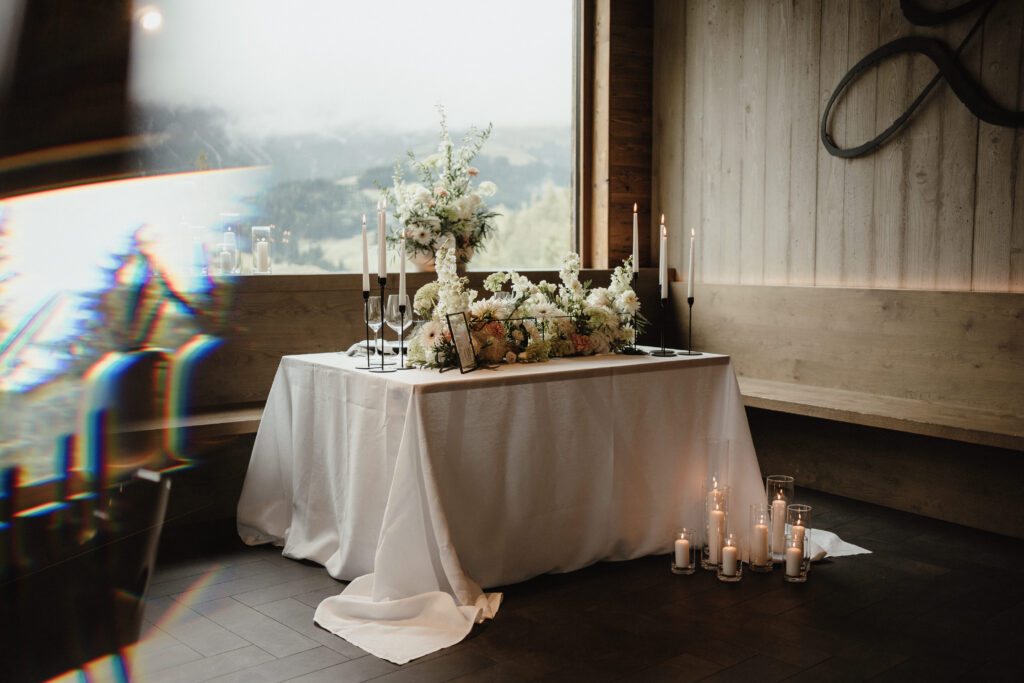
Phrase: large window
pixel 326 96
pixel 267 113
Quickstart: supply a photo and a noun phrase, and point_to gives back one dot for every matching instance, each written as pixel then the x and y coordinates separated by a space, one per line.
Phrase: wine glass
pixel 397 320
pixel 373 317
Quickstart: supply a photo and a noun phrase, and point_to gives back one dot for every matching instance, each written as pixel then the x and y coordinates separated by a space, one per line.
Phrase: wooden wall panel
pixel 623 78
pixel 831 181
pixel 939 207
pixel 753 103
pixel 993 215
pixel 776 204
pixel 952 348
pixel 859 190
pixel 668 111
pixel 692 199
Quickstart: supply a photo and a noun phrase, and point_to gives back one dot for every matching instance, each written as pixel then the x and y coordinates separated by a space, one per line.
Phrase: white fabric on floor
pixel 425 486
pixel 826 544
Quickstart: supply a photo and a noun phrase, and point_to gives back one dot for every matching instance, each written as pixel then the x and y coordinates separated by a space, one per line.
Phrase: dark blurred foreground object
pixel 63 113
pixel 75 572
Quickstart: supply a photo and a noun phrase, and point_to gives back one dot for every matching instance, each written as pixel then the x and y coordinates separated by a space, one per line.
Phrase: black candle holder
pixel 382 281
pixel 662 352
pixel 689 333
pixel 632 350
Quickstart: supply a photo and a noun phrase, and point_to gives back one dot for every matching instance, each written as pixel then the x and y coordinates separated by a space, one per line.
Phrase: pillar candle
pixel 689 275
pixel 262 256
pixel 663 261
pixel 729 560
pixel 759 549
pixel 226 261
pixel 778 525
pixel 366 259
pixel 401 276
pixel 636 243
pixel 794 558
pixel 682 553
pixel 715 534
pixel 798 535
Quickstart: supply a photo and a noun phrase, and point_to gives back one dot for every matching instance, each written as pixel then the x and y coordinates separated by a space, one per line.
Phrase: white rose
pixel 465 207
pixel 487 188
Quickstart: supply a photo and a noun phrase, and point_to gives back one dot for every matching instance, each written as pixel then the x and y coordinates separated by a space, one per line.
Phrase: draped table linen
pixel 420 487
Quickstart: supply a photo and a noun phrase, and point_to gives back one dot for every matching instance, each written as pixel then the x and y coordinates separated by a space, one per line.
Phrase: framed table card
pixel 458 324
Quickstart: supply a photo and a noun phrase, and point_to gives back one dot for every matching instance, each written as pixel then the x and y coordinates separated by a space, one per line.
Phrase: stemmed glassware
pixel 375 321
pixel 398 321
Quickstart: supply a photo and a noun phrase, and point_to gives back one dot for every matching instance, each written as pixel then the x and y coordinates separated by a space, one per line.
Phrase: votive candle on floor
pixel 794 560
pixel 778 525
pixel 715 536
pixel 760 544
pixel 682 548
pixel 729 556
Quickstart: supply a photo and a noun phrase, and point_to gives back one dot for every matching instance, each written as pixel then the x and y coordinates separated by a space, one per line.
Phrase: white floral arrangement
pixel 444 204
pixel 538 322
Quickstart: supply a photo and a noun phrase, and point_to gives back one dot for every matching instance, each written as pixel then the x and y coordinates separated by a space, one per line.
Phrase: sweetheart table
pixel 420 487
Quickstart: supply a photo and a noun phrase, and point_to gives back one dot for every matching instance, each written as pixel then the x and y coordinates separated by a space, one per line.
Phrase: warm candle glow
pixel 664 230
pixel 634 207
pixel 150 19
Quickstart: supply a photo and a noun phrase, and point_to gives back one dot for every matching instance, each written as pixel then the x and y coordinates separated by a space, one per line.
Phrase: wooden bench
pixel 943 364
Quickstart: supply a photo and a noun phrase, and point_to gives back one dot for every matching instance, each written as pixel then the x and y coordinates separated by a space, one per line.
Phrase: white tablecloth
pixel 424 486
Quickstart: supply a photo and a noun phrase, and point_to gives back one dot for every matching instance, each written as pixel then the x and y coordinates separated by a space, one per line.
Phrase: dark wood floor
pixel 933 602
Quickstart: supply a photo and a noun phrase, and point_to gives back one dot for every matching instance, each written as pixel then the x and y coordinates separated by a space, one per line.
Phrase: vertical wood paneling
pixel 1017 228
pixel 693 135
pixel 993 216
pixel 668 142
pixel 803 153
pixel 940 206
pixel 630 124
pixel 888 206
pixel 858 201
pixel 723 153
pixel 752 158
pixel 923 175
pixel 958 141
pixel 831 182
pixel 777 147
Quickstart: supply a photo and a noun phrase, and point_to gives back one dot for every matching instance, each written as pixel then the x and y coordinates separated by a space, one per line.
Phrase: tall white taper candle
pixel 366 259
pixel 401 276
pixel 636 243
pixel 689 275
pixel 663 262
pixel 382 253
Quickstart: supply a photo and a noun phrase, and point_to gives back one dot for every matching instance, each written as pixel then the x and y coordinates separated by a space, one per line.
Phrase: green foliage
pixel 535 235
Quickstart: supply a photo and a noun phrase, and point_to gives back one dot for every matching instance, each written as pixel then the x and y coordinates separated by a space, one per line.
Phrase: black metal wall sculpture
pixel 970 92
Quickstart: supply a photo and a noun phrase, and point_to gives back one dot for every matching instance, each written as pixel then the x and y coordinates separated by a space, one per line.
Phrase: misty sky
pixel 321 64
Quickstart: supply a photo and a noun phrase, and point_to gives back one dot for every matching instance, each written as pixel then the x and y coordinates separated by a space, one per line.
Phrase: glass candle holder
pixel 730 569
pixel 778 494
pixel 228 256
pixel 797 559
pixel 223 259
pixel 716 511
pixel 261 250
pixel 798 553
pixel 684 552
pixel 718 464
pixel 759 531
